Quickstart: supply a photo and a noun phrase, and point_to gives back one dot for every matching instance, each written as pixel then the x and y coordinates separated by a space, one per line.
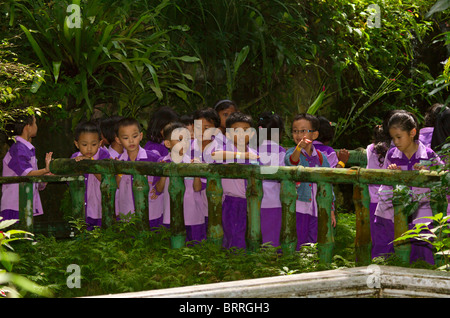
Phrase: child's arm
pixel 224 155
pixel 44 171
pixel 197 184
pixel 295 156
pixel 343 157
pixel 159 186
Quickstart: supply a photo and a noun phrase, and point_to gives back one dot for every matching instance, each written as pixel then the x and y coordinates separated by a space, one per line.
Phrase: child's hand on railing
pixel 394 167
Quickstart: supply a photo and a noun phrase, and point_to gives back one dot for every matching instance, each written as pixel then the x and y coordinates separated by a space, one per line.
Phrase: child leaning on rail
pixel 87 137
pixel 177 139
pixel 236 149
pixel 129 135
pixel 270 129
pixel 408 154
pixel 304 132
pixel 20 160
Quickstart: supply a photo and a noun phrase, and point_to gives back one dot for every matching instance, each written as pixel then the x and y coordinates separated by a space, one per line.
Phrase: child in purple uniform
pixel 20 160
pixel 270 129
pixel 305 130
pixel 376 153
pixel 426 133
pixel 207 140
pixel 177 139
pixel 107 127
pixel 234 204
pixel 88 140
pixel 162 117
pixel 129 135
pixel 407 154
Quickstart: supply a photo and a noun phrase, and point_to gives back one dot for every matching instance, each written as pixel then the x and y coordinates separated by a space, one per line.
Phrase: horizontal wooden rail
pixel 72 172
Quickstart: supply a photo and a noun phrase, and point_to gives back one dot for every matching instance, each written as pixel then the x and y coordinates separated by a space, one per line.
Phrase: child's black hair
pixel 326 131
pixel 404 120
pixel 224 104
pixel 209 114
pixel 238 117
pixel 20 123
pixel 127 121
pixel 269 120
pixel 108 129
pixel 169 128
pixel 187 119
pixel 381 143
pixel 432 113
pixel 315 123
pixel 160 119
pixel 87 127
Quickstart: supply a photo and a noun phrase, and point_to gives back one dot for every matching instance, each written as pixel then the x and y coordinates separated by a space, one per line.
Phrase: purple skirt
pixel 271 225
pixel 382 237
pixel 306 229
pixel 234 221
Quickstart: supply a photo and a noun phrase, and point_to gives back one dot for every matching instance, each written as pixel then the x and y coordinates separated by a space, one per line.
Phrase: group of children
pixel 223 135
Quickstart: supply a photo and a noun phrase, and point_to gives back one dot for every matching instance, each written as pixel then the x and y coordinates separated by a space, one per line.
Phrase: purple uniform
pixel 19 161
pixel 328 151
pixel 384 213
pixel 271 154
pixel 194 216
pixel 425 136
pixel 92 195
pixel 234 204
pixel 125 193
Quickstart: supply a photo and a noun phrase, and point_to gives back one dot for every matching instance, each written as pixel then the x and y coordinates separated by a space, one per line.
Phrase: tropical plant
pixel 12 284
pixel 104 54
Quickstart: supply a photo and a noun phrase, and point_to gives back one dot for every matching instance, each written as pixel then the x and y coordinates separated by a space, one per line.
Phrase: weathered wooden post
pixel 77 193
pixel 140 194
pixel 214 193
pixel 325 237
pixel 363 241
pixel 177 227
pixel 254 196
pixel 288 235
pixel 108 188
pixel 26 206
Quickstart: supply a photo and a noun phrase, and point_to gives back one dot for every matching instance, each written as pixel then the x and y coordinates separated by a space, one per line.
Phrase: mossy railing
pixel 324 177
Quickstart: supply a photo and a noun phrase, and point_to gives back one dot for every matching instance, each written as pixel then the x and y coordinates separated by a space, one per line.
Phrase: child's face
pixel 129 137
pixel 191 130
pixel 402 139
pixel 303 128
pixel 88 143
pixel 177 144
pixel 240 134
pixel 224 113
pixel 205 124
pixel 33 128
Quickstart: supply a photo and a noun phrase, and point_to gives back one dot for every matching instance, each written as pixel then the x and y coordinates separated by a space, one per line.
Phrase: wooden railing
pixel 67 170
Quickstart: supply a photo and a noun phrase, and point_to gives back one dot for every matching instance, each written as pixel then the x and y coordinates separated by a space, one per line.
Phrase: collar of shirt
pixel 421 152
pixel 25 142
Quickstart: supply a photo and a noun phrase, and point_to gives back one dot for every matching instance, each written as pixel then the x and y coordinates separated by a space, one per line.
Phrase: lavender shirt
pixel 159 148
pixel 328 151
pixel 93 195
pixel 193 214
pixel 310 207
pixel 425 136
pixel 19 161
pixel 385 208
pixel 235 187
pixel 271 154
pixel 125 191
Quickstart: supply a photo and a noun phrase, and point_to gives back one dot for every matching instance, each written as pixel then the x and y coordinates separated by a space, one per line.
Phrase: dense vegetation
pixel 130 57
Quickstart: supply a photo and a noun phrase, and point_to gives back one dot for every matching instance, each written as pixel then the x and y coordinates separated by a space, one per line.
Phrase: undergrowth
pixel 121 259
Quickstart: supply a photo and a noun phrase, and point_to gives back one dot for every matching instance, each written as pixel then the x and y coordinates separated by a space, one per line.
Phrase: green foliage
pixel 12 284
pixel 112 58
